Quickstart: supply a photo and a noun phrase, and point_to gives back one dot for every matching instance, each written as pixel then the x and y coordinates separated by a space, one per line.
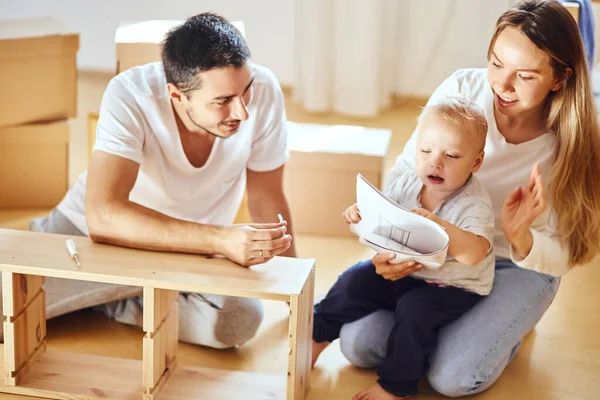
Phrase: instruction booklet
pixel 386 226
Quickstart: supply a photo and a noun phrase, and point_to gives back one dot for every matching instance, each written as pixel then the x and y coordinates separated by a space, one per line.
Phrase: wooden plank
pixel 161 323
pixel 45 254
pixel 159 300
pixel 300 336
pixel 159 350
pixel 24 338
pixel 18 290
pixel 72 376
pixel 13 379
pixel 156 392
pixel 69 376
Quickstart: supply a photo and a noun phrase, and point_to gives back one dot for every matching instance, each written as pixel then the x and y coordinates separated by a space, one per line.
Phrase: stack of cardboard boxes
pixel 320 177
pixel 38 94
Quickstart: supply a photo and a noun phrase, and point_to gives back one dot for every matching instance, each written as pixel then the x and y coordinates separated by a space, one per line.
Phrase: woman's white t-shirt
pixel 137 122
pixel 505 167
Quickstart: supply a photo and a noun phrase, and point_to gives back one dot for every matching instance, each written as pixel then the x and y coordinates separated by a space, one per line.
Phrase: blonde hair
pixel 462 112
pixel 571 115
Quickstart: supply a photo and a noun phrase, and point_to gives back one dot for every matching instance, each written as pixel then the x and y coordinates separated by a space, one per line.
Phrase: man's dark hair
pixel 203 42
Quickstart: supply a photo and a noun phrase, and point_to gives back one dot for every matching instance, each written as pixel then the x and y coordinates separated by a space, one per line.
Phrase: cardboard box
pixel 320 177
pixel 34 165
pixel 139 42
pixel 38 71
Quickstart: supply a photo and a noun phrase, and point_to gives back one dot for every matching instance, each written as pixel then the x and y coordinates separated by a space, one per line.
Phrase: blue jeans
pixel 473 351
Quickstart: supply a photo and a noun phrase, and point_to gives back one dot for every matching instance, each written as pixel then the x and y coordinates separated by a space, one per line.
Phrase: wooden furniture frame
pixel 26 258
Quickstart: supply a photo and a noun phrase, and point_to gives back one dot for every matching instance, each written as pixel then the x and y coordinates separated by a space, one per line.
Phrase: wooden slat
pixel 161 323
pixel 301 326
pixel 24 337
pixel 159 300
pixel 159 351
pixel 68 376
pixel 156 392
pixel 45 254
pixel 14 379
pixel 18 290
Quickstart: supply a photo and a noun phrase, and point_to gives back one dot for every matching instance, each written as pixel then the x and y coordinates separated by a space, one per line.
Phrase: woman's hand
pixel 393 272
pixel 351 215
pixel 521 207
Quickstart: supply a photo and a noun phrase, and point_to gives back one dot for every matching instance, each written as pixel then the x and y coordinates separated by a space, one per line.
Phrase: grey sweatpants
pixel 204 319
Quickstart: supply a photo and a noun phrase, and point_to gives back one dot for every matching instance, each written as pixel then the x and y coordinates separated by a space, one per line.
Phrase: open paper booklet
pixel 386 226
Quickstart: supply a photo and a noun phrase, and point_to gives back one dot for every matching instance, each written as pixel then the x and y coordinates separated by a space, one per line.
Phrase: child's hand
pixel 427 214
pixel 351 215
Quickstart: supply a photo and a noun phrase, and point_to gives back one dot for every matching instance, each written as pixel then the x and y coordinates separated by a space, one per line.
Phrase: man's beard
pixel 203 128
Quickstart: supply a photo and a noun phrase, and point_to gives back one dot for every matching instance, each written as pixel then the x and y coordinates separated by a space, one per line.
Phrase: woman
pixel 541 166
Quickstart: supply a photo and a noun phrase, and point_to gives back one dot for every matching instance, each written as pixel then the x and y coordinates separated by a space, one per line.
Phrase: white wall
pixel 268 24
pixel 437 36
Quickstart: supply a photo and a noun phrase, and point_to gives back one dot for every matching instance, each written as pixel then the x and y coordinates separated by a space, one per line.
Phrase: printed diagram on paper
pixel 393 234
pixel 387 226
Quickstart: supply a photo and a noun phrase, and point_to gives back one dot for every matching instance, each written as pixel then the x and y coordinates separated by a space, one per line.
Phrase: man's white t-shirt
pixel 505 167
pixel 137 122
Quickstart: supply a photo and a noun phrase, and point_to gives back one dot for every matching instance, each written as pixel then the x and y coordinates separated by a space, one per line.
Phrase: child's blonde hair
pixel 462 112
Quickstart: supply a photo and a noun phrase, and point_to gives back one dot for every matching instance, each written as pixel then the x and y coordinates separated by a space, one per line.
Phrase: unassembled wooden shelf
pixel 26 258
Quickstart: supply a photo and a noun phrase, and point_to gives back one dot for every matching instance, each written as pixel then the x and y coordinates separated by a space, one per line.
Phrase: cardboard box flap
pixel 152 31
pixel 57 132
pixel 341 139
pixel 327 162
pixel 34 36
pixel 338 146
pixel 33 27
pixel 142 39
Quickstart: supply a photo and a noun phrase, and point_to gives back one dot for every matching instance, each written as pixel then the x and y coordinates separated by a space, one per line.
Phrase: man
pixel 177 143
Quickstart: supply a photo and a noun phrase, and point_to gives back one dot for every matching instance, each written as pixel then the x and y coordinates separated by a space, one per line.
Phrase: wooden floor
pixel 560 359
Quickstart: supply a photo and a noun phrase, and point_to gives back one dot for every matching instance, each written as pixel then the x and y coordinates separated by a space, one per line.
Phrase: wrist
pixel 522 243
pixel 217 239
pixel 442 222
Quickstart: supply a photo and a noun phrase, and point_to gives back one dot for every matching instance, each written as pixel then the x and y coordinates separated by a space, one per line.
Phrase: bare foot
pixel 317 348
pixel 376 392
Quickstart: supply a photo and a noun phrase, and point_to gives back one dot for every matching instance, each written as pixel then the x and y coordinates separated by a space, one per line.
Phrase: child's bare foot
pixel 376 392
pixel 317 348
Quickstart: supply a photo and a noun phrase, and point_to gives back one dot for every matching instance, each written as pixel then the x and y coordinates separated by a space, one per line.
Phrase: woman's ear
pixel 568 73
pixel 558 84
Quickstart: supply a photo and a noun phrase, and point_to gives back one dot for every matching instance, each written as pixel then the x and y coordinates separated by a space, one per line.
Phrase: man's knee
pixel 38 224
pixel 238 321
